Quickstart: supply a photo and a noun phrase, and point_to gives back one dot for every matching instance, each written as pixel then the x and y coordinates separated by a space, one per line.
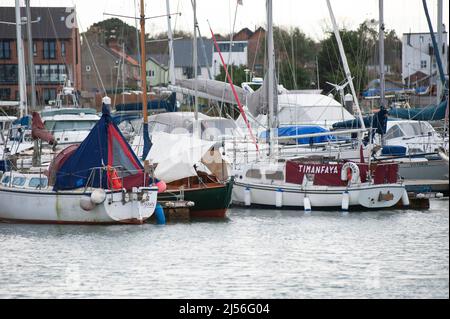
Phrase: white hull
pixel 362 195
pixel 46 206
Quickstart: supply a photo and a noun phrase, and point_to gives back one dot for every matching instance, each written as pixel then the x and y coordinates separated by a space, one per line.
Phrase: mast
pixel 271 78
pixel 345 63
pixel 144 84
pixel 439 44
pixel 21 64
pixel 381 44
pixel 171 53
pixel 195 65
pixel 30 56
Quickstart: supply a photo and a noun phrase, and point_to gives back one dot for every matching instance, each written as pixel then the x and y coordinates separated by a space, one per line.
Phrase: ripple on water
pixel 254 254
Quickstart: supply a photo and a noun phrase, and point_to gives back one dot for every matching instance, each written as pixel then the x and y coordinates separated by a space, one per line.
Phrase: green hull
pixel 210 202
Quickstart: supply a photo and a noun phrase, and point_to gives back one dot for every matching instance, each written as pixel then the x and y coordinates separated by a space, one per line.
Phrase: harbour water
pixel 253 254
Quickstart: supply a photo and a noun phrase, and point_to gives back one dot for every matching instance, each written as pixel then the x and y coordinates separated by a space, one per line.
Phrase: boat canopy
pixel 178 156
pixel 103 149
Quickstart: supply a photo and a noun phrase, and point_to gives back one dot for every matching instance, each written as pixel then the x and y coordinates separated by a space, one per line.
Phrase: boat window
pixel 159 127
pixel 253 173
pixel 37 182
pixel 6 179
pixel 19 181
pixel 60 126
pixel 394 132
pixel 275 176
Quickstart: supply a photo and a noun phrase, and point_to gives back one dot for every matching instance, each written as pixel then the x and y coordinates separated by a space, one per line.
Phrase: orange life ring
pixel 113 178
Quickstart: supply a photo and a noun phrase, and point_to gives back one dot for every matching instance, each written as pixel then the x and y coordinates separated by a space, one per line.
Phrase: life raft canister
pixel 113 178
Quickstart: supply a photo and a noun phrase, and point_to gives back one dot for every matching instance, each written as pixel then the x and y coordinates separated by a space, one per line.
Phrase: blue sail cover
pixel 428 113
pixel 302 130
pixel 104 146
pixel 167 105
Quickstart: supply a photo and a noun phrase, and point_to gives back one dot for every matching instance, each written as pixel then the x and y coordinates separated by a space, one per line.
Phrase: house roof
pixel 52 24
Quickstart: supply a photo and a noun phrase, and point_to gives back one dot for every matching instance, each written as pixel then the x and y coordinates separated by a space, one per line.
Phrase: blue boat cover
pixel 428 113
pixel 393 150
pixel 104 147
pixel 169 105
pixel 302 130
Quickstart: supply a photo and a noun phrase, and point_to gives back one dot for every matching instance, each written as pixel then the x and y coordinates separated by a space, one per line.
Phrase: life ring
pixel 113 178
pixel 350 172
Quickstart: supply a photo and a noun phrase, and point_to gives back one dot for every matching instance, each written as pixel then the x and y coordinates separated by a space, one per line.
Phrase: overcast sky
pixel 311 16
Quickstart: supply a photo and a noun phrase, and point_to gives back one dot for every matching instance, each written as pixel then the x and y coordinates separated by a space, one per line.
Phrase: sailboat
pixel 308 183
pixel 100 181
pixel 210 194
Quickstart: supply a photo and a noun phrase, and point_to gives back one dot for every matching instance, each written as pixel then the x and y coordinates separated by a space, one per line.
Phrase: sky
pixel 311 16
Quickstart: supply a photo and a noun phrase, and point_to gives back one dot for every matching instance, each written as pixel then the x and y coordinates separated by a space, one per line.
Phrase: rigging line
pixel 288 60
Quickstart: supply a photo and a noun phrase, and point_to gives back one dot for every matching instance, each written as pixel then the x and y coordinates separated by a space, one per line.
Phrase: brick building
pixel 56 52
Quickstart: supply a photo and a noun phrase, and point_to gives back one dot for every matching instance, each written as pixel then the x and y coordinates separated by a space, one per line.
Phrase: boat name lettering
pixel 318 169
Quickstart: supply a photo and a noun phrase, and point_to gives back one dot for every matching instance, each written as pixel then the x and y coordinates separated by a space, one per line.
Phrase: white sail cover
pixel 176 155
pixel 209 89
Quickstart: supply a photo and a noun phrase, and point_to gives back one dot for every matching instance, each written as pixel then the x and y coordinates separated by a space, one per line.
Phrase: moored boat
pixel 101 181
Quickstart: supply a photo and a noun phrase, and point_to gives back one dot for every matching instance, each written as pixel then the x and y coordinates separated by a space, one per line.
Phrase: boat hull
pixel 47 207
pixel 320 197
pixel 209 202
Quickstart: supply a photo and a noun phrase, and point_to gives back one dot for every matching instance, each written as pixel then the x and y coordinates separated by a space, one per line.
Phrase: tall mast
pixel 21 64
pixel 381 44
pixel 439 44
pixel 144 84
pixel 345 64
pixel 171 53
pixel 271 78
pixel 195 65
pixel 30 56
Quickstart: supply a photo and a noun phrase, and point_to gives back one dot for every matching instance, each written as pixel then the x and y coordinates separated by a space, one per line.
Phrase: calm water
pixel 255 254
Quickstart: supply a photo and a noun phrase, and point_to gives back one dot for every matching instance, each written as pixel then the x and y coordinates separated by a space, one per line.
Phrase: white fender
pixel 98 196
pixel 307 205
pixel 345 201
pixel 86 204
pixel 405 198
pixel 247 197
pixel 355 172
pixel 279 198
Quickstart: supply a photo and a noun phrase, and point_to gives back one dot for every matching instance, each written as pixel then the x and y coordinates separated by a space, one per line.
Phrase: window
pixel 8 73
pixel 5 50
pixel 275 176
pixel 34 49
pixel 37 182
pixel 253 173
pixel 5 94
pixel 50 72
pixel 19 181
pixel 6 179
pixel 88 68
pixel 151 73
pixel 63 48
pixel 49 94
pixel 49 49
pixel 421 38
pixel 423 64
pixel 394 132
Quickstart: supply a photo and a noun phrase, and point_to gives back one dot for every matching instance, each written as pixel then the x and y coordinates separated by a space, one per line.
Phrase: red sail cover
pixel 330 174
pixel 38 131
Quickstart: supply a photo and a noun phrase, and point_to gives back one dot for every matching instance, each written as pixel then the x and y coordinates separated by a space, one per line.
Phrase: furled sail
pixel 209 89
pixel 257 102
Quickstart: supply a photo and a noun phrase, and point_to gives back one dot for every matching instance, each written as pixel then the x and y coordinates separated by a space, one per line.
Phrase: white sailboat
pixel 99 182
pixel 307 183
